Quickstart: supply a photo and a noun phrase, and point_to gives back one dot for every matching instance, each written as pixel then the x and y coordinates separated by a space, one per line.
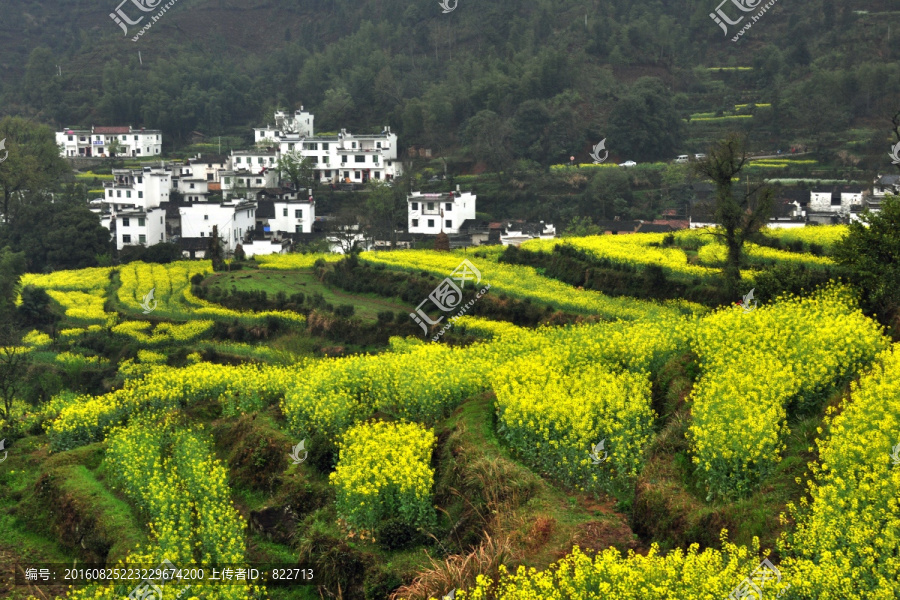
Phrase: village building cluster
pixel 246 200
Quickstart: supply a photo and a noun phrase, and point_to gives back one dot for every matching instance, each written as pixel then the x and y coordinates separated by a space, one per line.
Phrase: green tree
pixel 35 309
pixel 41 85
pixel 488 136
pixel 54 236
pixel 12 265
pixel 385 206
pixel 580 227
pixel 297 169
pixel 529 131
pixel 215 252
pixel 33 164
pixel 608 194
pixel 114 147
pixel 871 253
pixel 740 215
pixel 644 125
pixel 338 105
pixel 14 361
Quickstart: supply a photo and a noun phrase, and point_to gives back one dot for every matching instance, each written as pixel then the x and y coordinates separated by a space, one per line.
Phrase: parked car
pixel 682 158
pixel 700 156
pixel 628 163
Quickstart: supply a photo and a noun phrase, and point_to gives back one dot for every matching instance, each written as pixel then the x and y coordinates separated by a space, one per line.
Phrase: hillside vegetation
pixel 644 448
pixel 536 80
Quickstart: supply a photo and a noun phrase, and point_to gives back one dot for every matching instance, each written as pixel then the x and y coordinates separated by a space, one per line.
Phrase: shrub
pixel 394 534
pixel 384 470
pixel 345 310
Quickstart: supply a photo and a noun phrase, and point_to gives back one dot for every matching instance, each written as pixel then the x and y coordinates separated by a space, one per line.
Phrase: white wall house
pixel 252 161
pixel 336 245
pixel 433 213
pixel 138 227
pixel 513 234
pixel 834 201
pixel 233 219
pixel 95 141
pixel 263 247
pixel 886 185
pixel 293 216
pixel 193 189
pixel 209 168
pixel 300 123
pixel 344 157
pixel 250 169
pixel 138 188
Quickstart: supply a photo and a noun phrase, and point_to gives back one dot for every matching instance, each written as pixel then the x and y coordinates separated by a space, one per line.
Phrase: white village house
pixel 341 158
pixel 513 234
pixel 835 200
pixel 94 142
pixel 135 198
pixel 293 216
pixel 434 213
pixel 144 227
pixel 138 188
pixel 233 220
pixel 250 170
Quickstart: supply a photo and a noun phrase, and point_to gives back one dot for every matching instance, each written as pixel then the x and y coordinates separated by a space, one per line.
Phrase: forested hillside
pixel 534 80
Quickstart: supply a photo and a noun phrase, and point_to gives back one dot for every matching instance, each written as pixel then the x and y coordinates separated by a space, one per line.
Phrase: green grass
pixel 569 512
pixel 291 282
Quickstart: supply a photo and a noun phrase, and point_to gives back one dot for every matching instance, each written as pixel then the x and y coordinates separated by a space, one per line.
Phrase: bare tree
pixel 345 231
pixel 739 214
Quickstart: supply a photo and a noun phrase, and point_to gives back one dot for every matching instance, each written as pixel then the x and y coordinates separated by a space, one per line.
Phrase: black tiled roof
pixel 265 209
pixel 193 243
pixel 651 228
